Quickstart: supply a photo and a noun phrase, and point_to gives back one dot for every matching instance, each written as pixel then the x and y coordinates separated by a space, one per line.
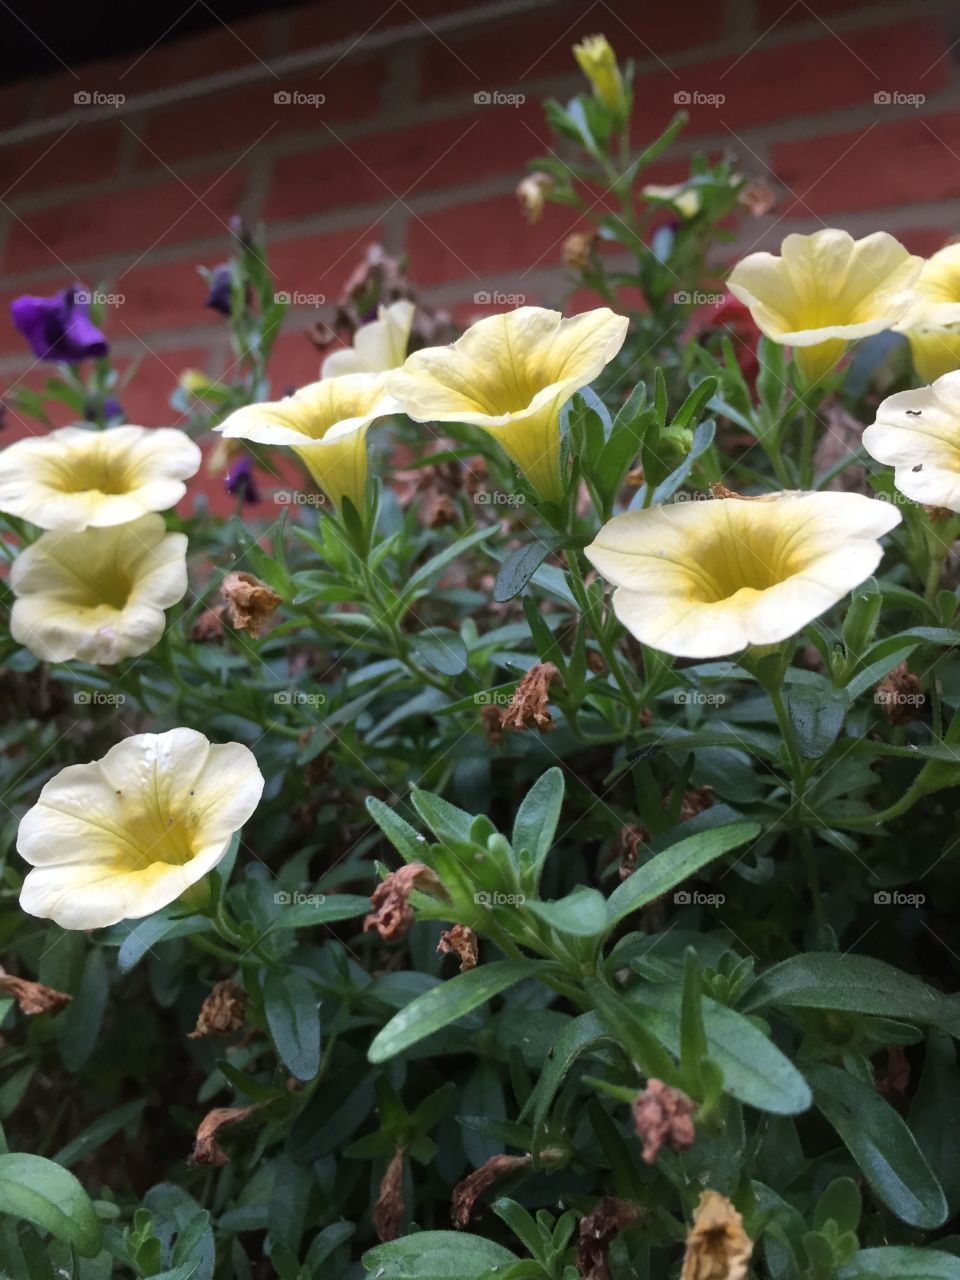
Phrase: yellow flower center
pixel 746 559
pixel 89 470
pixel 151 834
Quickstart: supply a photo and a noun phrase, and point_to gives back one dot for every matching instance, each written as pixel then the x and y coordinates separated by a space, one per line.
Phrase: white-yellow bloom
pixel 684 198
pixel 918 434
pixel 511 374
pixel 326 424
pixel 598 62
pixel 77 478
pixel 825 290
pixel 98 595
pixel 707 579
pixel 122 837
pixel 932 324
pixel 378 346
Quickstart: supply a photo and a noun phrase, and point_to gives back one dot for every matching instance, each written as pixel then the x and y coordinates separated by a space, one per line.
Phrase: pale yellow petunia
pixel 918 434
pixel 122 837
pixel 932 324
pixel 377 346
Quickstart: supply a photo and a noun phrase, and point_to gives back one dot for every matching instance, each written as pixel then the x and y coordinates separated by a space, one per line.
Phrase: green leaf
pixel 577 1037
pixel 79 1025
pixel 935 1114
pixel 582 913
pixel 883 1147
pixel 441 649
pixel 51 1198
pixel 96 1134
pixel 521 564
pixel 143 934
pixel 857 984
pixel 446 1003
pixel 405 839
pixel 437 1255
pixel 901 1262
pixel 817 714
pixel 674 865
pixel 443 558
pixel 536 822
pixel 290 1005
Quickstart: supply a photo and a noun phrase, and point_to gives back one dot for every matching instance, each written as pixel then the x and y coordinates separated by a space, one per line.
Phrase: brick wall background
pixel 130 199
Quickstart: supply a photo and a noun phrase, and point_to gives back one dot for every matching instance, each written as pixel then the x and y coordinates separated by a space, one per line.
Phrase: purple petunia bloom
pixel 59 328
pixel 221 290
pixel 241 482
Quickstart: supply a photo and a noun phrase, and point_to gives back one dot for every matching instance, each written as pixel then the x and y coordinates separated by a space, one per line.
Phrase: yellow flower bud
pixel 598 63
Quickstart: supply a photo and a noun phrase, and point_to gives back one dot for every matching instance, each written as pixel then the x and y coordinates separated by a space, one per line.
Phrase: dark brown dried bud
pixel 694 801
pixel 208 628
pixel 206 1149
pixel 900 695
pixel 468 1192
pixel 492 718
pixel 631 838
pixel 388 1211
pixel 462 942
pixel 528 706
pixel 757 197
pixel 222 1012
pixel 32 997
pixel 392 916
pixel 251 602
pixel 607 1219
pixel 578 250
pixel 663 1117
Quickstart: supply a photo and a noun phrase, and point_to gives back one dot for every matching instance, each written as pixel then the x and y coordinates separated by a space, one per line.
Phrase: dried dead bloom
pixel 757 197
pixel 438 510
pixel 492 718
pixel 209 626
pixel 462 942
pixel 206 1149
pixel 528 706
pixel 895 1079
pixel 936 514
pixel 251 602
pixel 32 997
pixel 607 1219
pixel 663 1118
pixel 577 250
pixel 222 1012
pixel 468 1192
pixel 718 1248
pixel 532 192
pixel 900 695
pixel 388 1211
pixel 392 916
pixel 694 801
pixel 628 845
pixel 721 491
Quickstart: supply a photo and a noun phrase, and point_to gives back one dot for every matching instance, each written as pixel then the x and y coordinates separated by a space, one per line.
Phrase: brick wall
pixel 132 198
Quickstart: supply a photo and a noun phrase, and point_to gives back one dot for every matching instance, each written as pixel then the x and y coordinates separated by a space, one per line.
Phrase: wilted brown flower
pixel 251 602
pixel 392 916
pixel 718 1248
pixel 694 801
pixel 607 1219
pixel 528 706
pixel 462 941
pixel 492 718
pixel 388 1211
pixel 468 1192
pixel 757 197
pixel 663 1117
pixel 578 250
pixel 32 997
pixel 532 192
pixel 221 1012
pixel 631 838
pixel 900 695
pixel 206 1149
pixel 209 626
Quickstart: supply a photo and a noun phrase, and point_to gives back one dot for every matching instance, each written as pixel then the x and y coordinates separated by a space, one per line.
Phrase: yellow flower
pixel 706 579
pixel 685 199
pixel 326 424
pixel 718 1248
pixel 510 374
pixel 378 346
pixel 195 383
pixel 532 192
pixel 122 837
pixel 598 63
pixel 98 595
pixel 918 434
pixel 933 323
pixel 77 478
pixel 825 290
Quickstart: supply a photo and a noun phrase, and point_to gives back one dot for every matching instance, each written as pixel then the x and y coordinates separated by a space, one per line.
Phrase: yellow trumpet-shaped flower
pixel 598 63
pixel 918 434
pixel 706 579
pixel 932 324
pixel 378 346
pixel 76 478
pixel 124 836
pixel 326 424
pixel 98 595
pixel 825 290
pixel 510 374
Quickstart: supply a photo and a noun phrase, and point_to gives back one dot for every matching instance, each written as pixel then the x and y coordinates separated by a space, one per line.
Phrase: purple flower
pixel 59 328
pixel 241 481
pixel 221 290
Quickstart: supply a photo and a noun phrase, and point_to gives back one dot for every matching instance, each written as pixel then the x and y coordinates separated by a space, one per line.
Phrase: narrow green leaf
pixel 290 1005
pixel 50 1197
pixel 437 1255
pixel 901 1262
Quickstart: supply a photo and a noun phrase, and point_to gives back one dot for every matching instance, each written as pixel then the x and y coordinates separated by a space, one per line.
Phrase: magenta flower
pixel 59 328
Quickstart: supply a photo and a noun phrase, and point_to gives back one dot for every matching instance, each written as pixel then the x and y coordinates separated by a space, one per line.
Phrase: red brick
pixel 532 46
pixel 167 296
pixel 819 74
pixel 295 360
pixel 790 12
pixel 146 398
pixel 321 263
pixel 385 167
pixel 240 120
pixel 71 156
pixel 908 161
pixel 324 23
pixel 133 221
pixel 486 238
